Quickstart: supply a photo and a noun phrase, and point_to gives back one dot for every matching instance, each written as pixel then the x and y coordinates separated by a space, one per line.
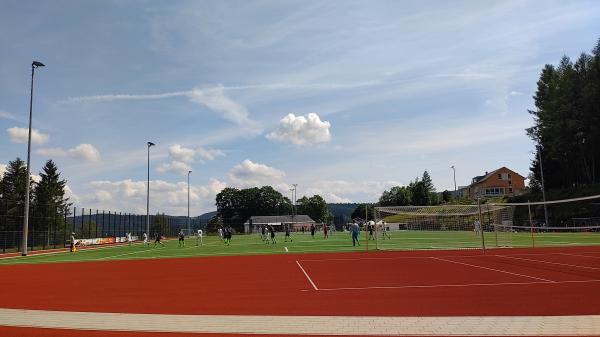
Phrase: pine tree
pixel 49 194
pixel 12 191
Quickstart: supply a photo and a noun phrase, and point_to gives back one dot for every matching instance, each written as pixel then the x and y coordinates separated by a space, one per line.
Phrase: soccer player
pixel 72 246
pixel 355 229
pixel 325 231
pixel 220 231
pixel 129 238
pixel 370 226
pixel 199 238
pixel 312 230
pixel 227 235
pixel 477 227
pixel 272 231
pixel 264 234
pixel 384 231
pixel 181 239
pixel 157 240
pixel 287 234
pixel 145 239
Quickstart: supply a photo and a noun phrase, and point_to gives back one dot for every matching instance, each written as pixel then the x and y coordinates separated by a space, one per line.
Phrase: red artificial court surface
pixel 543 281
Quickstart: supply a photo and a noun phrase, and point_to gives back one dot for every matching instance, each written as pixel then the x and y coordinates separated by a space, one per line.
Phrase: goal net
pixel 189 232
pixel 438 227
pixel 566 222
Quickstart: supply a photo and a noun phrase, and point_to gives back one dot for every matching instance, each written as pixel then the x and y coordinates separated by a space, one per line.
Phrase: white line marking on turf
pixel 458 285
pixel 286 250
pixel 131 253
pixel 493 269
pixel 548 262
pixel 308 277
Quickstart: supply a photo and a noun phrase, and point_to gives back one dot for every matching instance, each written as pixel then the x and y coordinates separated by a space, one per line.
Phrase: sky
pixel 344 98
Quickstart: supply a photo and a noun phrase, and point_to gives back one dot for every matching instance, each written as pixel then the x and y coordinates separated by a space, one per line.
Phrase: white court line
pixel 308 277
pixel 591 257
pixel 493 269
pixel 548 262
pixel 458 285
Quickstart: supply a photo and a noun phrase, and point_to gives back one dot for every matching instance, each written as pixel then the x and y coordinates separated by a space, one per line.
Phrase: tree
pixel 235 206
pixel 396 196
pixel 49 201
pixel 315 207
pixel 12 192
pixel 447 196
pixel 359 212
pixel 567 123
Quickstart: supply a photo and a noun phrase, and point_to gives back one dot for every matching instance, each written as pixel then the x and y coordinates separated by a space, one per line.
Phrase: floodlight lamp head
pixel 150 144
pixel 36 64
pixel 189 172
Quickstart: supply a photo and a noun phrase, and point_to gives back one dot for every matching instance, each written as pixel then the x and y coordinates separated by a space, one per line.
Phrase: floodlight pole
pixel 543 187
pixel 34 65
pixel 295 197
pixel 149 144
pixel 188 217
pixel 455 191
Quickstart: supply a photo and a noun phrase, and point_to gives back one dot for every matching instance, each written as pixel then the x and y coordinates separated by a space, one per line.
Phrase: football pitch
pixel 251 244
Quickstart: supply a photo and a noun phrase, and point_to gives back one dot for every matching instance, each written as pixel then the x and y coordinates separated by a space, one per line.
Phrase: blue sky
pixel 344 98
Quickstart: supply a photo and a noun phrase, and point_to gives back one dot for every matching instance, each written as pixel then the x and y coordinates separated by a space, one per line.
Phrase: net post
pixel 366 226
pixel 376 232
pixel 531 224
pixel 481 225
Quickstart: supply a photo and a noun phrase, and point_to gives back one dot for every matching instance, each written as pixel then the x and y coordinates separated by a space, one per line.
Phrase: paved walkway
pixel 318 325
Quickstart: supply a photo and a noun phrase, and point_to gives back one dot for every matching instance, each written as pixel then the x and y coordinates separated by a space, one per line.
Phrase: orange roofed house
pixel 496 184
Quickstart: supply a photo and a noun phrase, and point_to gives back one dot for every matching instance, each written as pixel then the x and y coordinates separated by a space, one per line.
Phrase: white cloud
pixel 301 130
pixel 213 98
pixel 20 135
pixel 174 166
pixel 129 195
pixel 209 154
pixel 515 93
pixel 182 157
pixel 8 115
pixel 85 152
pixel 187 155
pixel 2 170
pixel 181 153
pixel 250 174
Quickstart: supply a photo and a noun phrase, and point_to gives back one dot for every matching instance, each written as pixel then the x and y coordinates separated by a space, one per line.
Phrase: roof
pixel 482 178
pixel 265 219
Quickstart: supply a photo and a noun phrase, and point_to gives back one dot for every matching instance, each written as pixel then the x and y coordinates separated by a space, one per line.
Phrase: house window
pixel 510 190
pixel 510 183
pixel 494 191
pixel 499 176
pixel 509 176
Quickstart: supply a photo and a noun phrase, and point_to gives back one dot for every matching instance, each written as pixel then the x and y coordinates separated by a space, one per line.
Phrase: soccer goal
pixel 438 227
pixel 566 222
pixel 188 232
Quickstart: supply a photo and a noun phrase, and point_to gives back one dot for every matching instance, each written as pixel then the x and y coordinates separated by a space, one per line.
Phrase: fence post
pixel 65 211
pixel 97 224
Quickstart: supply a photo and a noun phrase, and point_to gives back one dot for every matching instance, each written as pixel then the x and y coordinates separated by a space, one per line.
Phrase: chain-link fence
pixel 51 227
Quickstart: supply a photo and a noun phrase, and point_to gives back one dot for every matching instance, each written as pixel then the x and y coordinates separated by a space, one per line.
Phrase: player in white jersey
pixel 129 238
pixel 199 238
pixel 145 239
